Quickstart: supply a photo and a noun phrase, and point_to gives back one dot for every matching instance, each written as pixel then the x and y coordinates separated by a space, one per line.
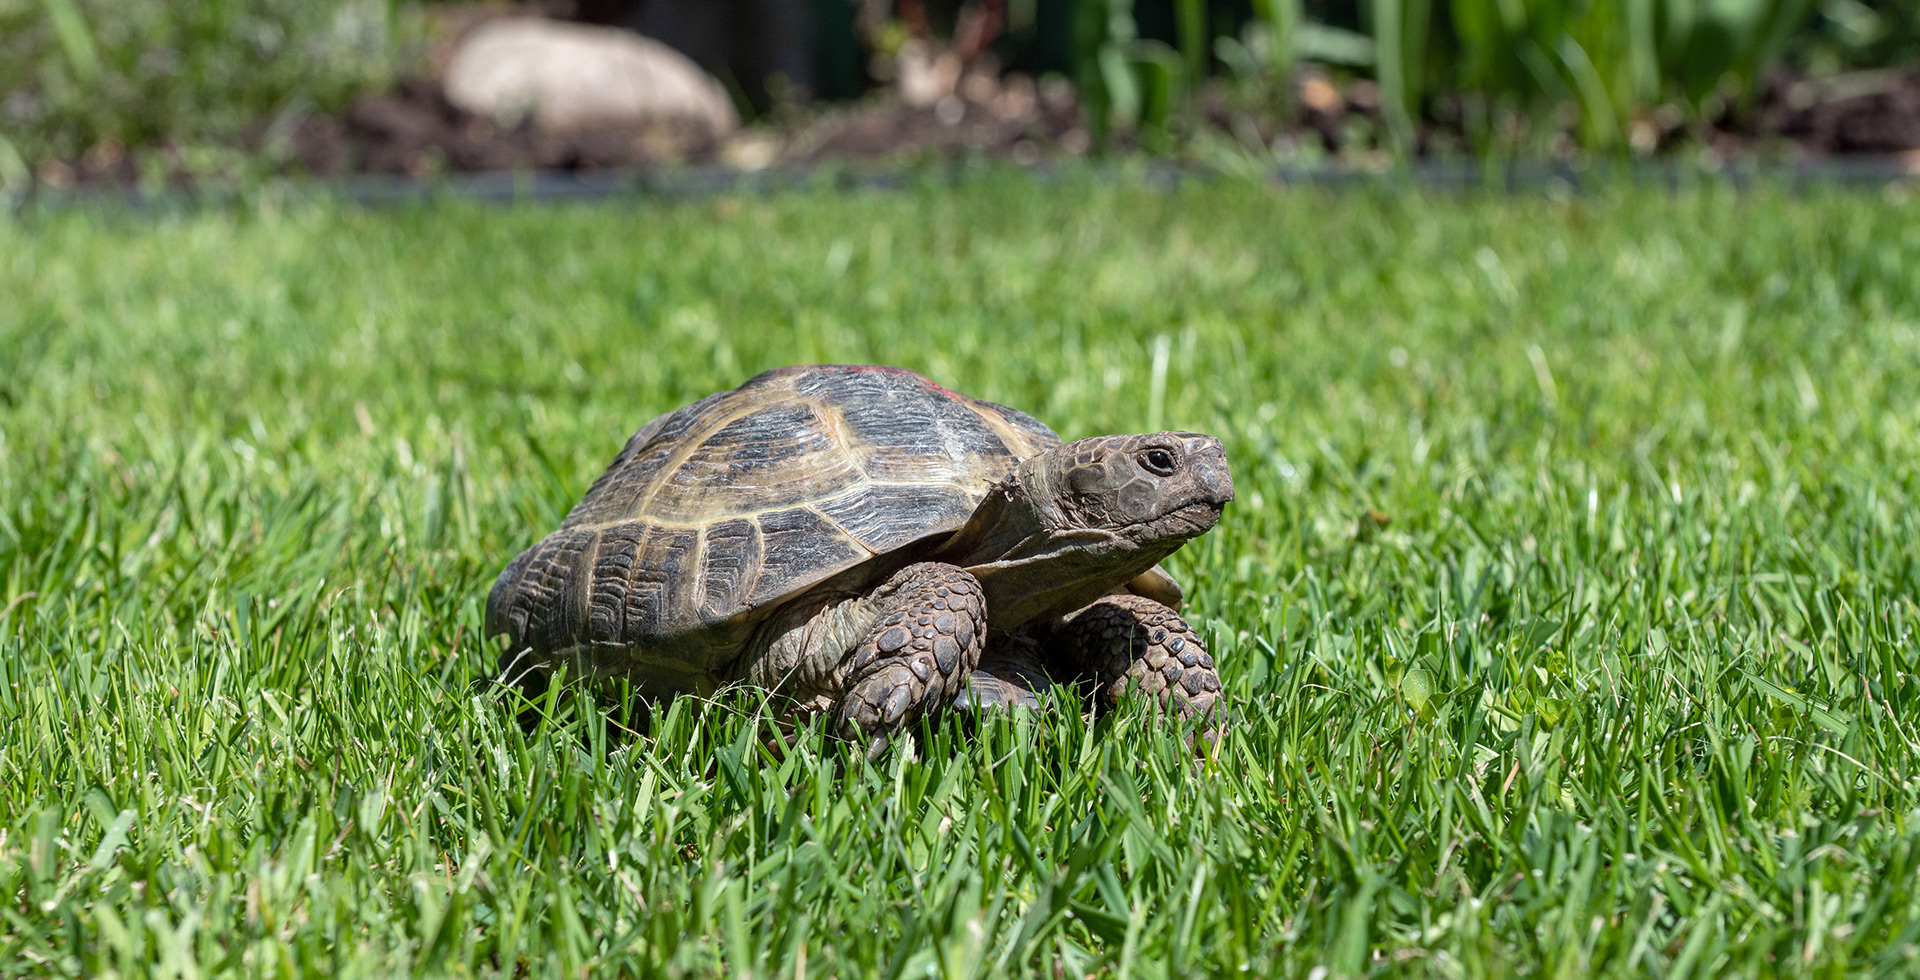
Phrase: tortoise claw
pixel 1131 644
pixel 985 691
pixel 1010 675
pixel 919 651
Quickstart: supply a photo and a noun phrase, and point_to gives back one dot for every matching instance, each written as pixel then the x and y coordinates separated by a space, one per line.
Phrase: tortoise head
pixel 1160 488
pixel 1074 522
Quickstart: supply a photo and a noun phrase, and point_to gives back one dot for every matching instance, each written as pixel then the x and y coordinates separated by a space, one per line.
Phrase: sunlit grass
pixel 1567 600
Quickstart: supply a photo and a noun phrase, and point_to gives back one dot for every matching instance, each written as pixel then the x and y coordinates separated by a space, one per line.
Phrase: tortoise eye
pixel 1157 461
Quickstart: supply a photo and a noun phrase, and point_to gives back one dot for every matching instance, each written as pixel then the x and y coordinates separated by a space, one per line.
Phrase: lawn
pixel 1567 602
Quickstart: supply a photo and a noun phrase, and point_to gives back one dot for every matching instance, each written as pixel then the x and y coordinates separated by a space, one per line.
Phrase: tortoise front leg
pixel 931 628
pixel 1130 642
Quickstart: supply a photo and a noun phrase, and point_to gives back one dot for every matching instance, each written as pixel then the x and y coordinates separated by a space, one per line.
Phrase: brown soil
pixel 1866 112
pixel 1009 119
pixel 413 130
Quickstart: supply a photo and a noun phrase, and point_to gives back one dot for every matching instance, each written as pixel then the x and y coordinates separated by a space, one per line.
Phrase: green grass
pixel 1568 600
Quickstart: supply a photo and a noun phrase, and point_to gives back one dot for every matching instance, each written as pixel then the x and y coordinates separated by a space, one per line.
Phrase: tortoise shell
pixel 714 515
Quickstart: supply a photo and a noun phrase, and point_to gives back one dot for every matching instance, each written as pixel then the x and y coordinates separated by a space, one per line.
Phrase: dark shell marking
pixel 714 514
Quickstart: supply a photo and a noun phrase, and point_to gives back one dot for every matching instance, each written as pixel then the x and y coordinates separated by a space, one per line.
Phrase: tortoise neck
pixel 1030 566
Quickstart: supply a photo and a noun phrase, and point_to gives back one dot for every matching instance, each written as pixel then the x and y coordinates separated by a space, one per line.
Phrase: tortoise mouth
pixel 1181 523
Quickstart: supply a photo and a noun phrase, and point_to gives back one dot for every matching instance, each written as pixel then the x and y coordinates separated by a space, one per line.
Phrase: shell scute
pixel 661 594
pixel 883 517
pixel 640 461
pixel 732 561
pixel 801 545
pixel 539 602
pixel 774 457
pixel 613 578
pixel 902 435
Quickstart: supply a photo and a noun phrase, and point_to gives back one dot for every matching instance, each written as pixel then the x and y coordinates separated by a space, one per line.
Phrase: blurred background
pixel 151 92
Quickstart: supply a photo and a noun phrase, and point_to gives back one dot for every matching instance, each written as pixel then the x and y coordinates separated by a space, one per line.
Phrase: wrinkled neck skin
pixel 1036 561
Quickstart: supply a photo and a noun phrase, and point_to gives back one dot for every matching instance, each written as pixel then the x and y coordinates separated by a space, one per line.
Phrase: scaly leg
pixel 1130 642
pixel 1012 674
pixel 928 638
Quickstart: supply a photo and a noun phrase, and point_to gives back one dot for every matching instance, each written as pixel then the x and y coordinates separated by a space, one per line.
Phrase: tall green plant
pixel 1126 82
pixel 1612 58
pixel 79 73
pixel 1194 37
pixel 1282 19
pixel 1864 33
pixel 1400 45
pixel 76 38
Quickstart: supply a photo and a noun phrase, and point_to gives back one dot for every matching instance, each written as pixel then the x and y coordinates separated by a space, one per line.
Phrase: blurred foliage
pixel 1124 81
pixel 196 75
pixel 1611 62
pixel 204 78
pixel 1614 59
pixel 1863 34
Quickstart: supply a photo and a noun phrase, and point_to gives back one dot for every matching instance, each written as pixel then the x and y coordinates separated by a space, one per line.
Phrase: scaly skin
pixel 1129 643
pixel 1012 674
pixel 928 638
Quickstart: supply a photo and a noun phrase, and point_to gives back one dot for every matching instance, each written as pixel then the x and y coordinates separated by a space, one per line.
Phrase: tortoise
pixel 862 541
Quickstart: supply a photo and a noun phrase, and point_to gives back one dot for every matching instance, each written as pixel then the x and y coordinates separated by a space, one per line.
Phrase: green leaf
pixel 1417 687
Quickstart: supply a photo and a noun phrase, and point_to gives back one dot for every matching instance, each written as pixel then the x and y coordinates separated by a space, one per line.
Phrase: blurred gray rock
pixel 572 78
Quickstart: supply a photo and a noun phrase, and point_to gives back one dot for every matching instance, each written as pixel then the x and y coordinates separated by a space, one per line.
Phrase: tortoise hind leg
pixel 927 639
pixel 518 684
pixel 1012 674
pixel 1130 642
